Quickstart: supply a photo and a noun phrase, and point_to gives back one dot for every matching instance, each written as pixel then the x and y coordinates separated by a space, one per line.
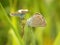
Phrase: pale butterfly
pixel 20 13
pixel 37 20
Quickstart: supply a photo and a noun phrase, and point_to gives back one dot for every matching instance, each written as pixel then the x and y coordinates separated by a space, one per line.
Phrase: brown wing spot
pixel 38 16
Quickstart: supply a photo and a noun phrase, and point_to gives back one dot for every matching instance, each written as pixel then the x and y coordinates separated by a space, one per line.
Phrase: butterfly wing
pixel 37 21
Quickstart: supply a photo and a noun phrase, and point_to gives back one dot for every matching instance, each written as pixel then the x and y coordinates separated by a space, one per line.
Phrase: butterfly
pixel 37 20
pixel 20 13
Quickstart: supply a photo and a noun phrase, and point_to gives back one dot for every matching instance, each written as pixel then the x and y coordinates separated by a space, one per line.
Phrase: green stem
pixel 22 26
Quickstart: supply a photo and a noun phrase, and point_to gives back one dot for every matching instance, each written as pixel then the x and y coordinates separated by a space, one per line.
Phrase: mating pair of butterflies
pixel 37 20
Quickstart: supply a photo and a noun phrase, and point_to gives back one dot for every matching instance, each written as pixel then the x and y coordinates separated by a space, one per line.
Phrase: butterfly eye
pixel 11 14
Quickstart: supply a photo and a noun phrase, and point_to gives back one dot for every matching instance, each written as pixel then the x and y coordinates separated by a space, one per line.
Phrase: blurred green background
pixel 10 28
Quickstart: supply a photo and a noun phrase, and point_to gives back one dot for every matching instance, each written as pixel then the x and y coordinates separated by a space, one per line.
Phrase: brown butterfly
pixel 37 20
